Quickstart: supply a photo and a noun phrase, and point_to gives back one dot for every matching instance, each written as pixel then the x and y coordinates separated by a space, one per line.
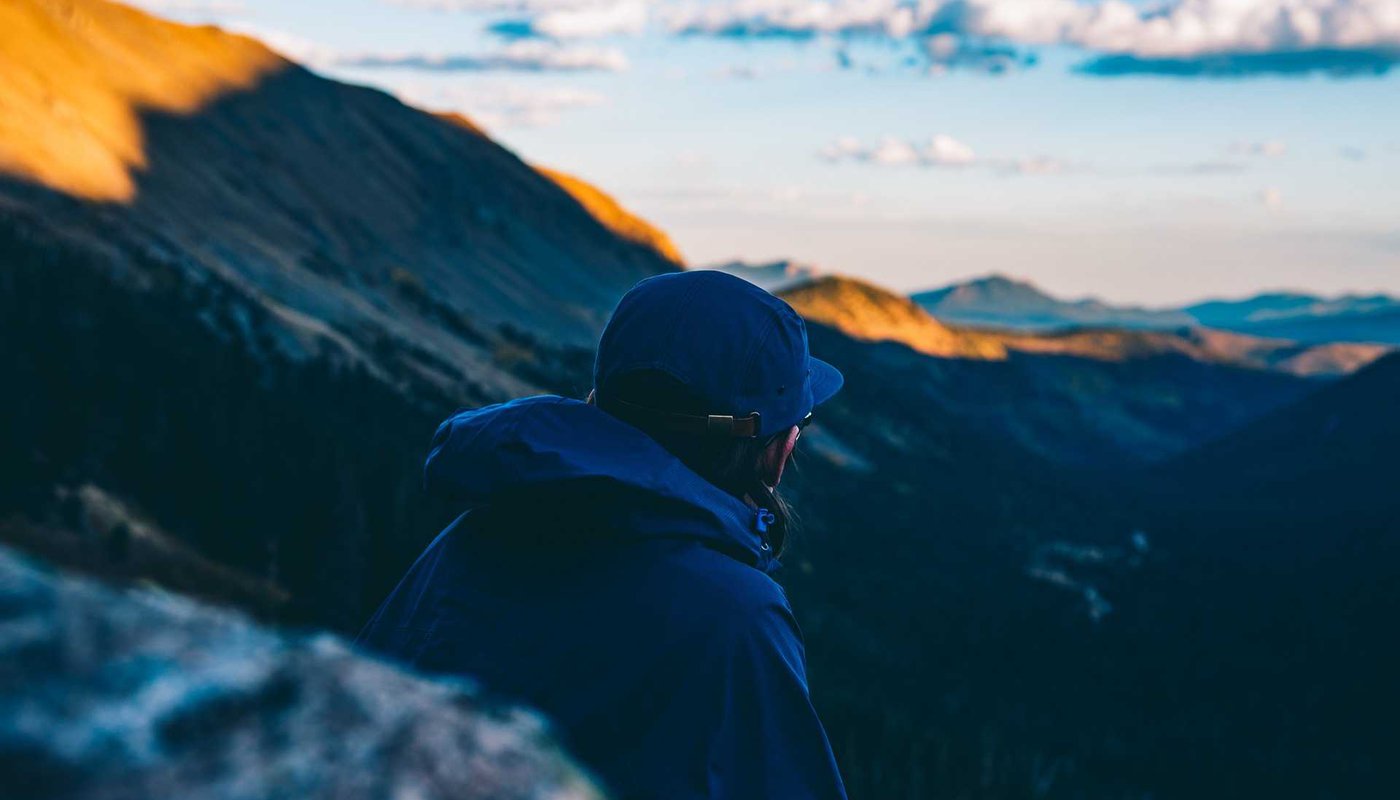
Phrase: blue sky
pixel 1151 154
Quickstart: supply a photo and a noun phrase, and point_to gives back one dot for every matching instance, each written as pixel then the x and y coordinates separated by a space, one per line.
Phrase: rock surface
pixel 135 694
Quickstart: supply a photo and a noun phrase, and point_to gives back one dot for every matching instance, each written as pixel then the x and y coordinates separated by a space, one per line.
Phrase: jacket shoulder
pixel 717 581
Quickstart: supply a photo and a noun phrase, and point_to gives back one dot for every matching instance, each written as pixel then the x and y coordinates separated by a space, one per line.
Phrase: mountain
pixel 1306 317
pixel 1083 397
pixel 616 218
pixel 775 276
pixel 998 301
pixel 1329 452
pixel 350 217
pixel 868 312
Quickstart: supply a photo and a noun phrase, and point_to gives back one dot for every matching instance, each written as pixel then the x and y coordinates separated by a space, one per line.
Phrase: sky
pixel 1145 152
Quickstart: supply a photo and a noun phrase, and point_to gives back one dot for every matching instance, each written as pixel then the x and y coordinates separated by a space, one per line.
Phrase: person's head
pixel 718 372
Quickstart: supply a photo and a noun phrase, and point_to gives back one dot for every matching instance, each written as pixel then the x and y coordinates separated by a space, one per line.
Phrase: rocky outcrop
pixel 137 694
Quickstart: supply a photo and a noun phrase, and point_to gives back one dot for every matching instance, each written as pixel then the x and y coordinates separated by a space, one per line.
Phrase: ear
pixel 775 456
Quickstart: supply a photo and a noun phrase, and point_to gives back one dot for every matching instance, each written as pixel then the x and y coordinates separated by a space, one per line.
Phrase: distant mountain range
pixel 1001 302
pixel 775 276
pixel 865 311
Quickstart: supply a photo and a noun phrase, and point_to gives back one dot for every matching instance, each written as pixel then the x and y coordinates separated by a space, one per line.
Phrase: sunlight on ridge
pixel 74 125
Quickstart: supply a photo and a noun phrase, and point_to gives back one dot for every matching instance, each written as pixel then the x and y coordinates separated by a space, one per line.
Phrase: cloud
pixel 584 22
pixel 549 19
pixel 794 19
pixel 1271 148
pixel 523 56
pixel 940 150
pixel 1337 63
pixel 499 107
pixel 937 151
pixel 1271 198
pixel 1185 38
pixel 945 52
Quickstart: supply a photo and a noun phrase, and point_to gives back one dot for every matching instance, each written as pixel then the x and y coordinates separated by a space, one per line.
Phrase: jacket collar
pixel 547 441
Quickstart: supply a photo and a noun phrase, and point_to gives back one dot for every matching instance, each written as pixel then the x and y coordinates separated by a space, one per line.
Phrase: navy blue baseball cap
pixel 738 347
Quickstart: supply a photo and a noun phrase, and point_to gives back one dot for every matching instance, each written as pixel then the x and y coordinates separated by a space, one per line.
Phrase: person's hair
pixel 733 464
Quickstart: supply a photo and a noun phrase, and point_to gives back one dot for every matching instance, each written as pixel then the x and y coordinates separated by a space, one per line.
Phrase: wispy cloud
pixel 500 107
pixel 1182 37
pixel 1271 198
pixel 522 56
pixel 940 150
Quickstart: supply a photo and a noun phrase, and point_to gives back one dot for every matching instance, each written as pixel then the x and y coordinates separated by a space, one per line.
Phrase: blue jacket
pixel 601 581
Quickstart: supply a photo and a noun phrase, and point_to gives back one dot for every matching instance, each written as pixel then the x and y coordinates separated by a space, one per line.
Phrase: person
pixel 615 567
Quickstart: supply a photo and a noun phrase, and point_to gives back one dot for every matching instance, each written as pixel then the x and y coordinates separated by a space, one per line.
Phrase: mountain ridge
pixel 999 301
pixel 868 312
pixel 349 215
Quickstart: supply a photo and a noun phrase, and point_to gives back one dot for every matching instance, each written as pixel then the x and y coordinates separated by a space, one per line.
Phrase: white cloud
pixel 1176 37
pixel 796 18
pixel 555 19
pixel 499 107
pixel 1271 198
pixel 605 19
pixel 939 151
pixel 942 149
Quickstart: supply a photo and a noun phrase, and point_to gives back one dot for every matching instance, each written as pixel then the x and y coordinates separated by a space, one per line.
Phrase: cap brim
pixel 826 380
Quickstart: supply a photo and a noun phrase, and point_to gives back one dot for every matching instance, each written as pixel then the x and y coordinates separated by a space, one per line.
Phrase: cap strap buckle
pixel 719 425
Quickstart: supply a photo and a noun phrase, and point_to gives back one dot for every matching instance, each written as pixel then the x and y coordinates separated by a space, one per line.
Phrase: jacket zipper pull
pixel 763 518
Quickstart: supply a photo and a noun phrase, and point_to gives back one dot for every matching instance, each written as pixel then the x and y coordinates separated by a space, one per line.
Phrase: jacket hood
pixel 551 443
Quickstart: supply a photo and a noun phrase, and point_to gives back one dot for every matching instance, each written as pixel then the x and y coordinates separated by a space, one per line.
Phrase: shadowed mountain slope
pixel 1308 318
pixel 349 215
pixel 1329 456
